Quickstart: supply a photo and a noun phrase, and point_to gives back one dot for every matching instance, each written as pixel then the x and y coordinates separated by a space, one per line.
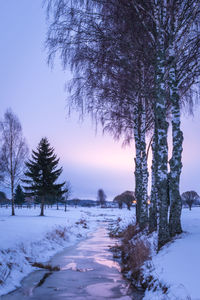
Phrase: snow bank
pixel 177 265
pixel 173 273
pixel 27 237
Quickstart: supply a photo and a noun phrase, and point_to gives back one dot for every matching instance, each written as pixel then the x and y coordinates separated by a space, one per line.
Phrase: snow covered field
pixel 27 238
pixel 177 265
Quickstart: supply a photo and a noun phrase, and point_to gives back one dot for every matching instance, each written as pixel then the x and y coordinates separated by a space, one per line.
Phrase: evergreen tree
pixel 42 174
pixel 19 195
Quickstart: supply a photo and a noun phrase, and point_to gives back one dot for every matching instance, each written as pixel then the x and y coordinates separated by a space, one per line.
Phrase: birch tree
pixel 132 60
pixel 183 59
pixel 177 69
pixel 161 124
pixel 106 83
pixel 13 152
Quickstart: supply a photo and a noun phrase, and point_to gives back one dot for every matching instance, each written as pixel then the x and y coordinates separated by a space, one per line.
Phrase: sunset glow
pixel 36 94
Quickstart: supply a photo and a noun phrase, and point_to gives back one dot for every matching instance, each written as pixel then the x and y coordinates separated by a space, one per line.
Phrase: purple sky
pixel 36 94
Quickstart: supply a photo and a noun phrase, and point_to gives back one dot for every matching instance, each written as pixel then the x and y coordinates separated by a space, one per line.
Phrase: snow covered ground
pixel 177 265
pixel 27 237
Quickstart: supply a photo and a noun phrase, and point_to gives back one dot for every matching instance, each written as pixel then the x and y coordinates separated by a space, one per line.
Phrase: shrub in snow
pixel 135 249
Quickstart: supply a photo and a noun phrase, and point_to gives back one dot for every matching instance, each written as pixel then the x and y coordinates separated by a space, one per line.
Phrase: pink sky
pixel 36 94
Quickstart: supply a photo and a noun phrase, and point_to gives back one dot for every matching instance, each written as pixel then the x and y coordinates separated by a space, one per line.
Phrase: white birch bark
pixel 138 172
pixel 153 203
pixel 162 127
pixel 144 169
pixel 177 141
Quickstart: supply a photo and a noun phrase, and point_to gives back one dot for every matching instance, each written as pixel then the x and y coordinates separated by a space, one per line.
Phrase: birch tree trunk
pixel 175 161
pixel 141 170
pixel 138 171
pixel 162 127
pixel 177 135
pixel 153 204
pixel 11 138
pixel 13 199
pixel 144 169
pixel 162 170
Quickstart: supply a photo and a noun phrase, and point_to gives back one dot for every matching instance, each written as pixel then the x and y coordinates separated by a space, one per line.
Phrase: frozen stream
pixel 87 272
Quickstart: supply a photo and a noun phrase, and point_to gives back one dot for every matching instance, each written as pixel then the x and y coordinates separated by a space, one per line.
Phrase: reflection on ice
pixel 107 262
pixel 103 289
pixel 70 266
pixel 87 272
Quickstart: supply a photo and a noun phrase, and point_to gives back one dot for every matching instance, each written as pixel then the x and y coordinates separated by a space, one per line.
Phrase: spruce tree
pixel 42 174
pixel 19 195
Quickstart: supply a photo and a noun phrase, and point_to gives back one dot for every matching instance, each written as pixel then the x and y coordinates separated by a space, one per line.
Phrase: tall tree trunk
pixel 177 136
pixel 144 169
pixel 162 127
pixel 12 195
pixel 162 174
pixel 12 172
pixel 42 206
pixel 175 161
pixel 138 171
pixel 153 203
